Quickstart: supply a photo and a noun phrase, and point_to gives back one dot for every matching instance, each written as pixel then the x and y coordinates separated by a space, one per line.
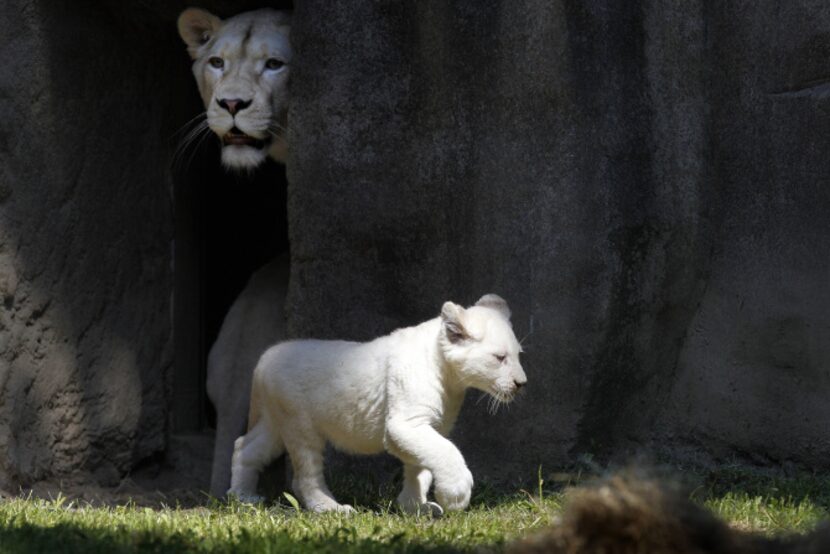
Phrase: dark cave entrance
pixel 228 225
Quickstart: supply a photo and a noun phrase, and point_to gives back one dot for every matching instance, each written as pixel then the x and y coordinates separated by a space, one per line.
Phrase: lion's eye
pixel 217 63
pixel 500 357
pixel 274 63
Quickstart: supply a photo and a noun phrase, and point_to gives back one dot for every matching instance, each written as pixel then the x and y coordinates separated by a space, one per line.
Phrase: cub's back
pixel 318 370
pixel 338 387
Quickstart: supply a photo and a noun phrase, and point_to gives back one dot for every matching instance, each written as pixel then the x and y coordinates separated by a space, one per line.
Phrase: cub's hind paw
pixel 332 507
pixel 246 497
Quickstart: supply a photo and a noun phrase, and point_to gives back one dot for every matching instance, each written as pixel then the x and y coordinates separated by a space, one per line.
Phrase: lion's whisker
pixel 196 147
pixel 276 134
pixel 193 140
pixel 193 121
pixel 192 133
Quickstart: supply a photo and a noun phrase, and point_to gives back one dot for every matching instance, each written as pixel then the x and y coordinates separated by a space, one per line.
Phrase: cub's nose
pixel 520 379
pixel 233 105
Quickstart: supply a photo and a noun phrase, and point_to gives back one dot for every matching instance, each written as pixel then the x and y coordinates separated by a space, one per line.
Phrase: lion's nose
pixel 233 105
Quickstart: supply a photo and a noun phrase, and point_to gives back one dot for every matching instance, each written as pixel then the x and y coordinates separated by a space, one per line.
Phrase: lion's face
pixel 480 344
pixel 241 66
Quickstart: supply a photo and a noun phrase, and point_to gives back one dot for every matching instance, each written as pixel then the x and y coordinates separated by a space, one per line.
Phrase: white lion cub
pixel 400 393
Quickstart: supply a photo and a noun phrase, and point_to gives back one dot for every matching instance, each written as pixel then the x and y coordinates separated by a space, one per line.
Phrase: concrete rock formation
pixel 85 233
pixel 645 182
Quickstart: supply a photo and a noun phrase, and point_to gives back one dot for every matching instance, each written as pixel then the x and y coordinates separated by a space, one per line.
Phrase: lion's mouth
pixel 238 138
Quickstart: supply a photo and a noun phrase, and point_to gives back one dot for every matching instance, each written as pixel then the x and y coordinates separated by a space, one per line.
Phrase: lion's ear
pixel 196 27
pixel 495 302
pixel 452 317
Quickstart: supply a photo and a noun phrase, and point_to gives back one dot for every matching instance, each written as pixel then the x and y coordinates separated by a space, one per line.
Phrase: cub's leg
pixel 252 452
pixel 423 446
pixel 305 448
pixel 413 497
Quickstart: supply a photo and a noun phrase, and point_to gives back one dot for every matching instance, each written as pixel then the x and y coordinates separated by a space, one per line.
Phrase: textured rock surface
pixel 92 96
pixel 85 236
pixel 753 374
pixel 643 181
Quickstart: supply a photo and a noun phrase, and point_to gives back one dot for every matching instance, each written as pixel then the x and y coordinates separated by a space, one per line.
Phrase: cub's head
pixel 241 66
pixel 480 344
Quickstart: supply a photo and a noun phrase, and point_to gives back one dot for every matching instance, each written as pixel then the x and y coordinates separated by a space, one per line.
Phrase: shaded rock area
pixel 91 196
pixel 176 479
pixel 645 182
pixel 85 237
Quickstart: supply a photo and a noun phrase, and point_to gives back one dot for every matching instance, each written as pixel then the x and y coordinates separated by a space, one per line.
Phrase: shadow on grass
pixel 67 538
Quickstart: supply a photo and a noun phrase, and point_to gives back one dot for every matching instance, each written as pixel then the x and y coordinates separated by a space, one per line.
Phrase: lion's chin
pixel 242 157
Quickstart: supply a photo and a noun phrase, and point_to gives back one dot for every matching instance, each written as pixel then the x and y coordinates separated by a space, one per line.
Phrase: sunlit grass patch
pixel 766 502
pixel 28 525
pixel 748 500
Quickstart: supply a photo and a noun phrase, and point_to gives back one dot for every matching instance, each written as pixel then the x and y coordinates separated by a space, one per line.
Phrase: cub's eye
pixel 217 63
pixel 274 63
pixel 500 357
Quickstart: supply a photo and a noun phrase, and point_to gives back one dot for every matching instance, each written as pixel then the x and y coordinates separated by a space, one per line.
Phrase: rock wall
pixel 643 181
pixel 753 374
pixel 93 96
pixel 85 241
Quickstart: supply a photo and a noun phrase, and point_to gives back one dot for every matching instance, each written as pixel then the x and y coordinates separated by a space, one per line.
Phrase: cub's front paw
pixel 416 507
pixel 454 494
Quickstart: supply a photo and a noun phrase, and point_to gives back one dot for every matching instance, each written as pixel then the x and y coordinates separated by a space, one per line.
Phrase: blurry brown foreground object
pixel 628 515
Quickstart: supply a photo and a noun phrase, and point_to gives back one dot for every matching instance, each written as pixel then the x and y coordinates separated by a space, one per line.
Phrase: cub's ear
pixel 196 27
pixel 452 316
pixel 495 302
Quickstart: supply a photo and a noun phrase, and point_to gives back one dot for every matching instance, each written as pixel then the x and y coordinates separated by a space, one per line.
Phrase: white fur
pixel 256 319
pixel 400 393
pixel 244 42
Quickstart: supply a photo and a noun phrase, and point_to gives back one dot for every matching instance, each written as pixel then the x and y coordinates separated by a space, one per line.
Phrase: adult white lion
pixel 242 66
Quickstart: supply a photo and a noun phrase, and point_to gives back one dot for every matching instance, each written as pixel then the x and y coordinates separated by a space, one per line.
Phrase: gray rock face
pixel 85 236
pixel 753 374
pixel 643 181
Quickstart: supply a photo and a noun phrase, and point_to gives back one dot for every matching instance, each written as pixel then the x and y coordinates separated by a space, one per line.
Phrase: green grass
pixel 37 525
pixel 769 504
